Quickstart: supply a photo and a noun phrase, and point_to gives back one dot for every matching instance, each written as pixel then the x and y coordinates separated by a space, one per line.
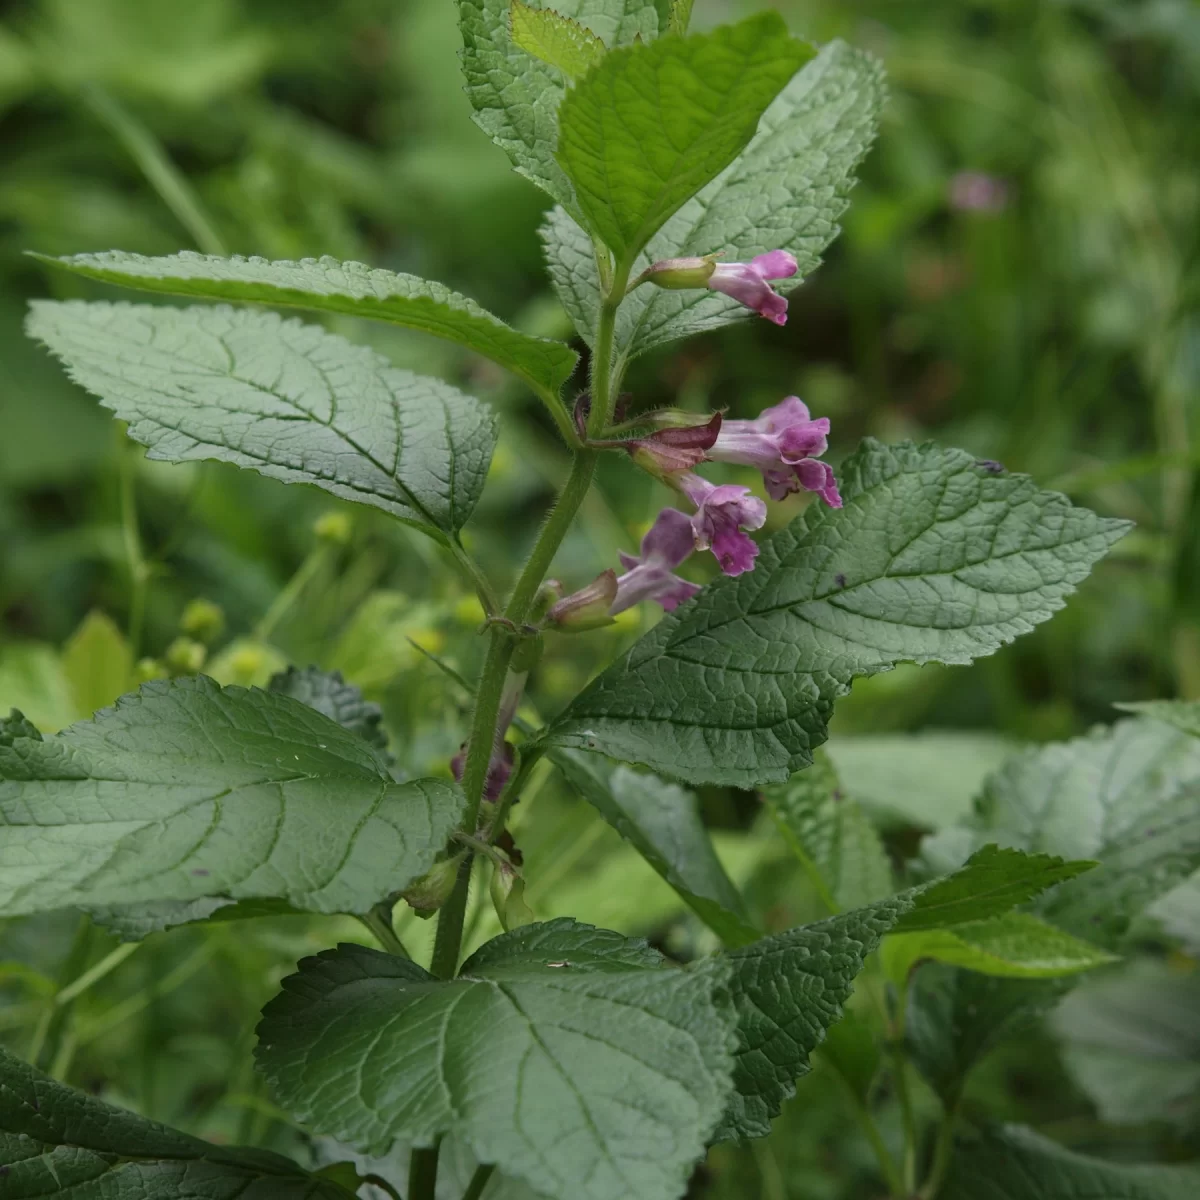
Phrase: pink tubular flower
pixel 784 443
pixel 651 577
pixel 747 283
pixel 722 513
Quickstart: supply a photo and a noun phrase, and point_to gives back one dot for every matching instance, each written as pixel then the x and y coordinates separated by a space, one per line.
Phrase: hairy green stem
pixel 478 580
pixel 478 1182
pixel 605 381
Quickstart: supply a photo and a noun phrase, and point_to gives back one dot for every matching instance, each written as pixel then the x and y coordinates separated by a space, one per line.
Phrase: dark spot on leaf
pixel 840 579
pixel 200 871
pixel 990 465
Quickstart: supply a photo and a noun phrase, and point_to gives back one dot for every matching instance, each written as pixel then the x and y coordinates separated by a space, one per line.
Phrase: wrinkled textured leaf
pixel 1015 945
pixel 1176 914
pixel 17 725
pixel 601 1074
pixel 185 791
pixel 133 922
pixel 661 821
pixel 516 97
pixel 832 837
pixel 787 190
pixel 1016 1164
pixel 648 127
pixel 1131 1039
pixel 330 694
pixel 788 989
pixel 56 1141
pixel 285 399
pixel 1127 796
pixel 932 559
pixel 328 285
pixel 555 39
pixel 928 779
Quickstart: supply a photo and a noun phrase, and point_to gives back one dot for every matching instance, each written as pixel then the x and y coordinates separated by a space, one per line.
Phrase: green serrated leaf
pixel 1131 1039
pixel 97 663
pixel 327 285
pixel 285 399
pixel 832 837
pixel 651 125
pixel 133 922
pixel 1014 1163
pixel 992 881
pixel 1015 945
pixel 555 39
pixel 601 1075
pixel 787 190
pixel 516 98
pixel 17 725
pixel 1183 714
pixel 329 693
pixel 221 792
pixel 661 822
pixel 56 1141
pixel 933 559
pixel 788 989
pixel 1127 796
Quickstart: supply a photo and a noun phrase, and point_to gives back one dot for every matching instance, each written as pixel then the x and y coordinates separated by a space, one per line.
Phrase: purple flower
pixel 976 191
pixel 784 443
pixel 722 513
pixel 747 283
pixel 651 577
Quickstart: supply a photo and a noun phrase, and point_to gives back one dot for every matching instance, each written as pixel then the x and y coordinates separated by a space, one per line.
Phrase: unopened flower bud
pixel 185 656
pixel 675 447
pixel 508 894
pixel 680 273
pixel 150 668
pixel 203 620
pixel 587 608
pixel 432 890
pixel 334 528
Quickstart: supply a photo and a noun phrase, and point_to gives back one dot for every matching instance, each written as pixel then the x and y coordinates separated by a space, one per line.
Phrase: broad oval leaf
pixel 660 820
pixel 649 126
pixel 329 285
pixel 285 399
pixel 1127 796
pixel 516 97
pixel 601 1074
pixel 934 558
pixel 56 1141
pixel 1131 1039
pixel 787 190
pixel 186 791
pixel 1014 1163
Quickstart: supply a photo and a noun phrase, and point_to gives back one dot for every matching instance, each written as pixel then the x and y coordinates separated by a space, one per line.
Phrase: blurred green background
pixel 1018 274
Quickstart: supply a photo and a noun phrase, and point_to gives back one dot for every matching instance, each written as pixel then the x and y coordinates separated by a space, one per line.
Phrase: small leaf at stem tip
pixel 649 126
pixel 555 39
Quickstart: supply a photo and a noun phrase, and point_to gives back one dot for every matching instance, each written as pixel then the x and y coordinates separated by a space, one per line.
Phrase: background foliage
pixel 1017 275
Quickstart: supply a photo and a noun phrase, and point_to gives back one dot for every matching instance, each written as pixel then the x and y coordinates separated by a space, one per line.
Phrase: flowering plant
pixel 695 179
